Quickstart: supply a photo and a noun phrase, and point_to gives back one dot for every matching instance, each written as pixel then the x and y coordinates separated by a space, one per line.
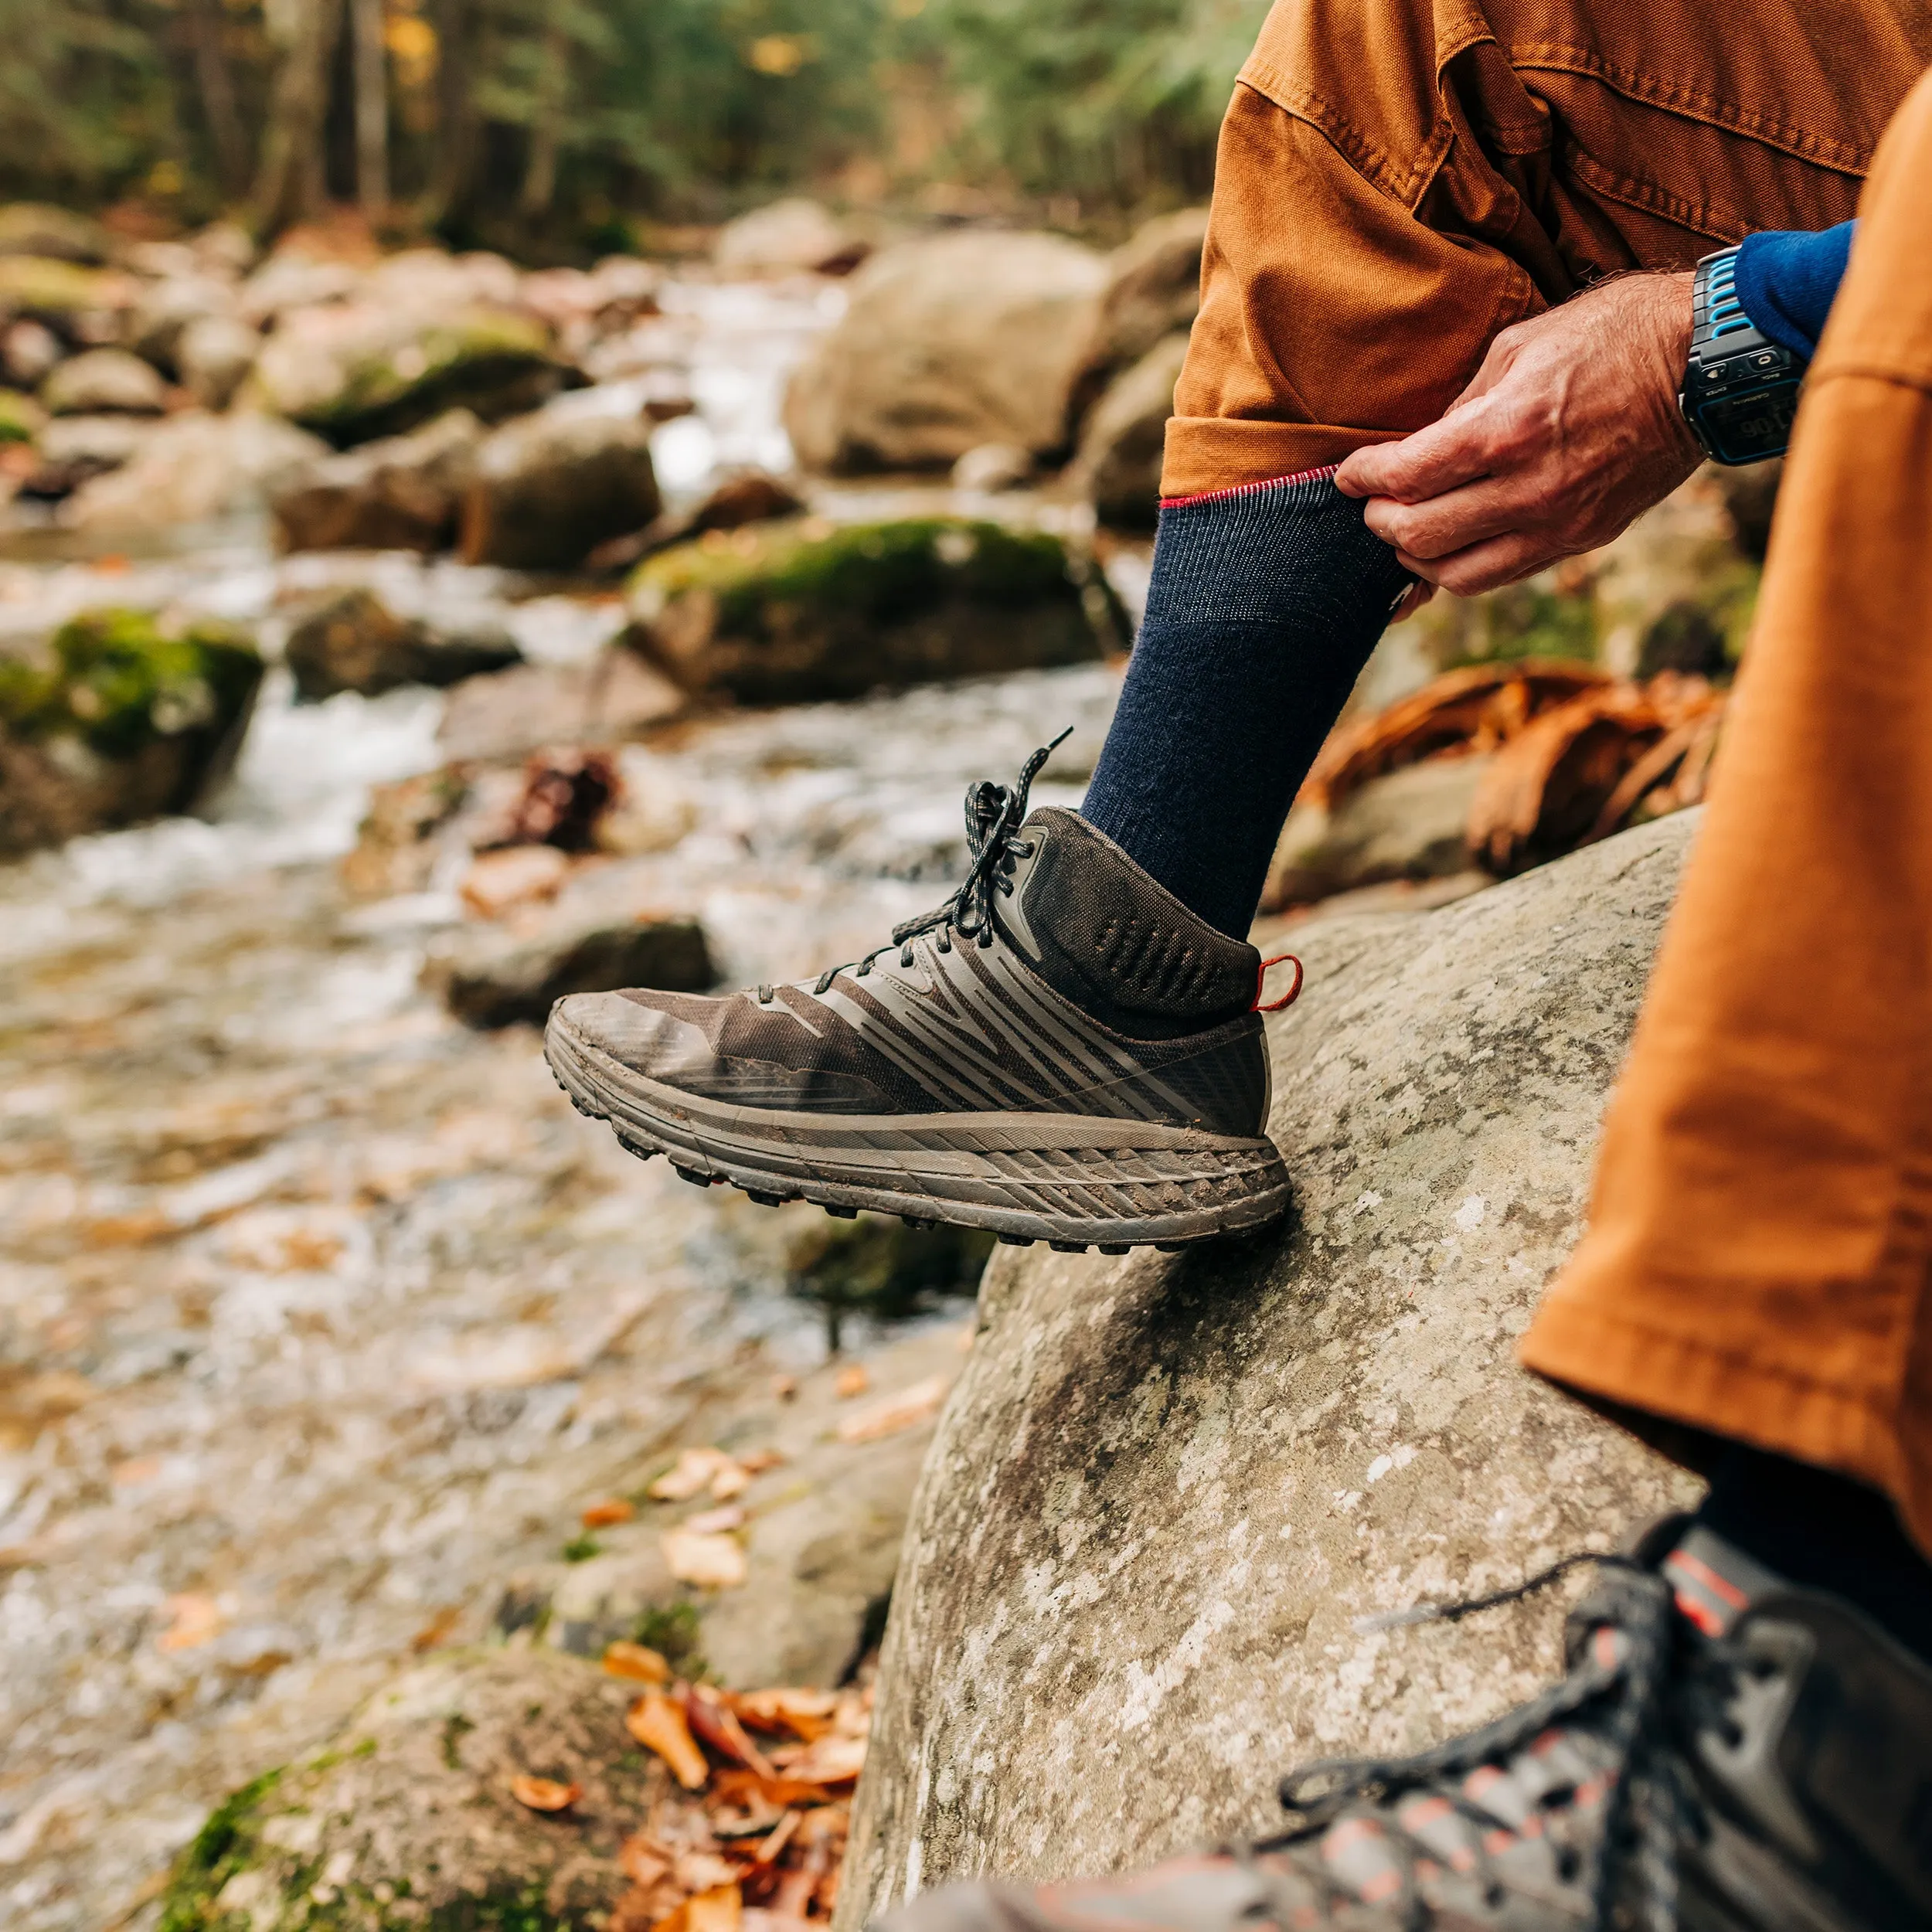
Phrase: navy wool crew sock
pixel 1822 1531
pixel 1264 605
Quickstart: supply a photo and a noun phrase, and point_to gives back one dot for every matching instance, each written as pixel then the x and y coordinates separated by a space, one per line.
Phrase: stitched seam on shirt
pixel 1374 163
pixel 1250 489
pixel 1694 103
pixel 1716 224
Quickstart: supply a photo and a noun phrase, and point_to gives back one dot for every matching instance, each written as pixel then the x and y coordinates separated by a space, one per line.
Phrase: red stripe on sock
pixel 1250 489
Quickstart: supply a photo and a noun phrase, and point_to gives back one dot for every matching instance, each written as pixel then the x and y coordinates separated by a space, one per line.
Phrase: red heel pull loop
pixel 1287 998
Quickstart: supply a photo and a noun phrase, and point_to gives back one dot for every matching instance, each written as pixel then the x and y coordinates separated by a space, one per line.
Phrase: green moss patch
pixel 21 419
pixel 228 1843
pixel 118 681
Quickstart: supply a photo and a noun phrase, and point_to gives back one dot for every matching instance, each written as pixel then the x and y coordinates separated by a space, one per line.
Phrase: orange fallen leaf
pixel 437 1629
pixel 544 1793
pixel 770 1847
pixel 600 1515
pixel 197 1619
pixel 638 1661
pixel 832 1761
pixel 716 1522
pixel 905 1410
pixel 852 1381
pixel 728 1483
pixel 714 1721
pixel 695 1469
pixel 710 1562
pixel 659 1724
pixel 717 1910
pixel 760 1461
pixel 806 1713
pixel 705 1872
pixel 643 1861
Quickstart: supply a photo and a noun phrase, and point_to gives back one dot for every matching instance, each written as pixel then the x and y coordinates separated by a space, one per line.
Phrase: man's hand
pixel 1570 428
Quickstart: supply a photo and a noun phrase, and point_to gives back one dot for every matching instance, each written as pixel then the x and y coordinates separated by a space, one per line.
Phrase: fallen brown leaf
pixel 770 1849
pixel 659 1724
pixel 197 1619
pixel 438 1629
pixel 710 1562
pixel 643 1861
pixel 695 1469
pixel 544 1793
pixel 716 1522
pixel 717 1910
pixel 614 1510
pixel 852 1381
pixel 806 1713
pixel 700 1871
pixel 638 1661
pixel 832 1761
pixel 715 1722
pixel 728 1483
pixel 905 1410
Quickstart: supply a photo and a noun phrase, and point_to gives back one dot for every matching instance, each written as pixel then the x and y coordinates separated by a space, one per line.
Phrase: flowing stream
pixel 318 1313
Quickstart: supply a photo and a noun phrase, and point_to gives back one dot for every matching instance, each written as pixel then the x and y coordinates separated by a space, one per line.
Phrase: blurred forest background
pixel 558 129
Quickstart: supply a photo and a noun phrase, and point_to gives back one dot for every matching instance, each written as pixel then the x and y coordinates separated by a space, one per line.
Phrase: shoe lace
pixel 993 815
pixel 1651 1805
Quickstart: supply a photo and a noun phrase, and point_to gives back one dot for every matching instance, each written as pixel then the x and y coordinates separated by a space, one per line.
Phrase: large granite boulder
pixel 1119 466
pixel 1153 291
pixel 787 612
pixel 1166 1488
pixel 116 718
pixel 949 342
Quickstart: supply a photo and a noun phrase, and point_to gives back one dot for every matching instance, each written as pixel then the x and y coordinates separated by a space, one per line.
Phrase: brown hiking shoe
pixel 1727 1754
pixel 1062 1052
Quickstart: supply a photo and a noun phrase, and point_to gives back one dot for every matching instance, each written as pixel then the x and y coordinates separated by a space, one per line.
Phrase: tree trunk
pixel 539 180
pixel 372 110
pixel 453 174
pixel 292 181
pixel 217 88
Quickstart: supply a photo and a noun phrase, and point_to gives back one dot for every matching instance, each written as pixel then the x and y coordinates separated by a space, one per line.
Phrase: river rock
pixel 601 700
pixel 408 1817
pixel 820 1540
pixel 1119 466
pixel 156 322
pixel 349 640
pixel 1167 1486
pixel 195 468
pixel 489 977
pixel 949 341
pixel 216 355
pixel 54 234
pixel 28 350
pixel 545 490
pixel 84 304
pixel 103 382
pixel 355 371
pixel 1412 824
pixel 115 719
pixel 789 237
pixel 398 493
pixel 21 419
pixel 750 496
pixel 1153 291
pixel 785 613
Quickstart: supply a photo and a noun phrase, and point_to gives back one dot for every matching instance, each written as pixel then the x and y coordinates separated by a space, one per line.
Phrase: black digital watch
pixel 1740 388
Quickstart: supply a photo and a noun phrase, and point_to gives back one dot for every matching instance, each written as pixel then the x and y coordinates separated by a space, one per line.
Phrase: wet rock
pixel 54 234
pixel 115 719
pixel 399 493
pixel 545 490
pixel 216 355
pixel 822 1530
pixel 75 449
pixel 21 419
pixel 787 237
pixel 360 370
pixel 195 468
pixel 1166 1487
pixel 27 350
pixel 782 613
pixel 408 1818
pixel 397 846
pixel 1119 465
pixel 1153 291
pixel 949 341
pixel 489 978
pixel 993 467
pixel 611 697
pixel 82 304
pixel 349 640
pixel 167 309
pixel 1412 824
pixel 102 382
pixel 751 496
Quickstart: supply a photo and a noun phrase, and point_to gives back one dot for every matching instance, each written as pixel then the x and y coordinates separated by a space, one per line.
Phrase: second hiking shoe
pixel 1062 1052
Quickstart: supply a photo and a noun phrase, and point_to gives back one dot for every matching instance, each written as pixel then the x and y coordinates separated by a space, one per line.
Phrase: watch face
pixel 1743 429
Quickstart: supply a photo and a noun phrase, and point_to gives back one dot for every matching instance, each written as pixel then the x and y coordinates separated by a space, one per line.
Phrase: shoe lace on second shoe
pixel 994 813
pixel 1643 1685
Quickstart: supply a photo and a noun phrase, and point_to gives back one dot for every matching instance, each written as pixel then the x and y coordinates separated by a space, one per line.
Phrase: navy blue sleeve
pixel 1786 280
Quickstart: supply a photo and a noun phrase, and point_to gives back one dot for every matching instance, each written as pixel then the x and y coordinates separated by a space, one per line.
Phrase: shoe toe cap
pixel 623 1025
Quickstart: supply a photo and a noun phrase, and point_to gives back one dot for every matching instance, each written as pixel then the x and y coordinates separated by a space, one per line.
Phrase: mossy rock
pixel 407 1820
pixel 58 291
pixel 351 379
pixel 58 234
pixel 116 718
pixel 784 613
pixel 21 419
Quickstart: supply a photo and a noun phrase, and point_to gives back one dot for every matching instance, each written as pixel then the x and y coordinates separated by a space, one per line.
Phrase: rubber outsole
pixel 1075 1181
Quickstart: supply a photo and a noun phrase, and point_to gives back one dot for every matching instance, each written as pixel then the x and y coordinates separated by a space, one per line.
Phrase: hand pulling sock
pixel 1264 605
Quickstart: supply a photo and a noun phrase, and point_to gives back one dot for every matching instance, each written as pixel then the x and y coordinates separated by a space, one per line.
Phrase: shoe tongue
pixel 1714 1582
